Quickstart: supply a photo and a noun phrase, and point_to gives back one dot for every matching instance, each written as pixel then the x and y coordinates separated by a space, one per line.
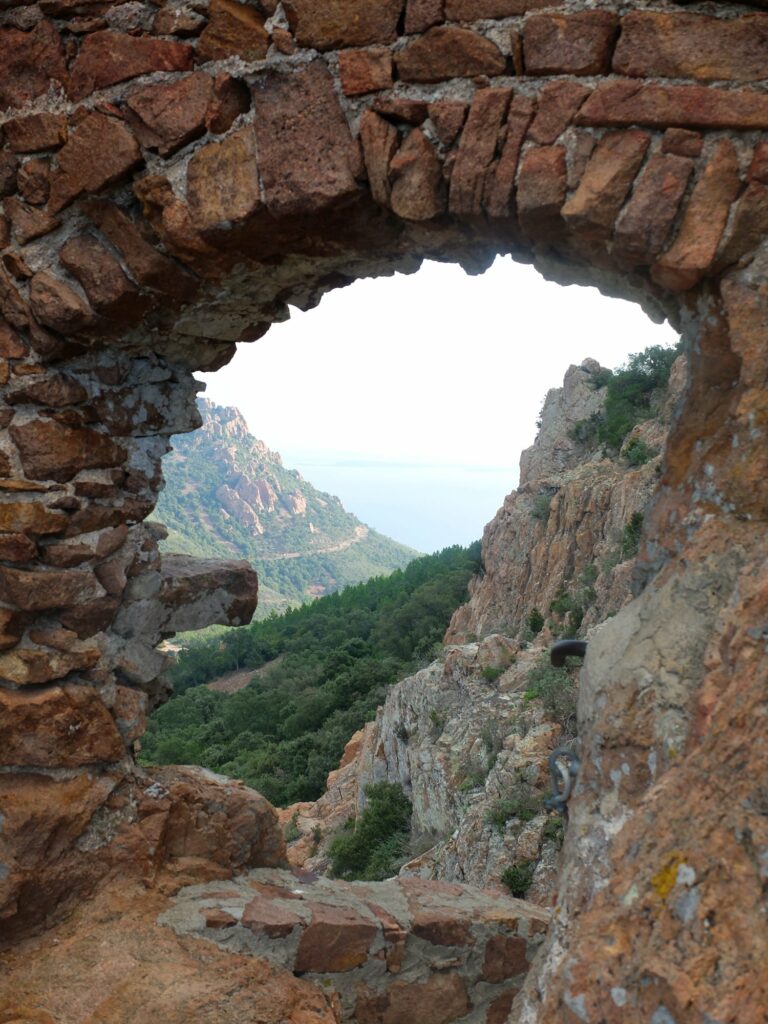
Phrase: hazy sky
pixel 435 366
pixel 432 368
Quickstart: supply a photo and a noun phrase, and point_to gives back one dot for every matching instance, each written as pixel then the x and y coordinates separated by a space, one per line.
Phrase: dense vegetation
pixel 228 496
pixel 325 668
pixel 372 847
pixel 632 393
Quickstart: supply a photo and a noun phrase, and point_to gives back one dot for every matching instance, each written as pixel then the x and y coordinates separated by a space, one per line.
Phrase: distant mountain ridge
pixel 228 495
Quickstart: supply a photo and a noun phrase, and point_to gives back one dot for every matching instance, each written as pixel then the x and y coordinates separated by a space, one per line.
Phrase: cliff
pixel 228 495
pixel 468 737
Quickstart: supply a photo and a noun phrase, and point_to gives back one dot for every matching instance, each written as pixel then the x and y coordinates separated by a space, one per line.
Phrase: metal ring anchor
pixel 563 777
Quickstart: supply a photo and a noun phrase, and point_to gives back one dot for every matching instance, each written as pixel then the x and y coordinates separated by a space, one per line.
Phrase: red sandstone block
pixel 643 228
pixel 336 939
pixel 379 139
pixel 107 58
pixel 595 204
pixel 233 30
pixel 500 182
pixel 541 188
pixel 337 23
pixel 505 957
pixel 447 118
pixel 474 10
pixel 30 63
pixel 449 52
pixel 569 44
pixel 557 106
pixel 681 45
pixel 758 169
pixel 477 150
pixel 423 14
pixel 747 226
pixel 410 111
pixel 622 103
pixel 693 251
pixel 418 191
pixel 682 142
pixel 168 115
pixel 36 132
pixel 365 71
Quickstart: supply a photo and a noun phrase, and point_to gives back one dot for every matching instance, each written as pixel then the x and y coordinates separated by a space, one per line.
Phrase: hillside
pixel 227 495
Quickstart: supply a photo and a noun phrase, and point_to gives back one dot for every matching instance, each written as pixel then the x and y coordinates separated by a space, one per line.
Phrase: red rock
pixel 682 142
pixel 233 30
pixel 337 23
pixel 39 591
pixel 56 390
pixel 365 71
pixel 169 115
pixel 85 547
pixel 283 41
pixel 438 1000
pixel 694 248
pixel 475 10
pixel 91 617
pixel 441 928
pixel 747 225
pixel 558 103
pixel 55 305
pixel 569 44
pixel 500 184
pixel 423 14
pixel 59 727
pixel 28 222
pixel 12 626
pixel 541 187
pixel 217 918
pixel 35 132
pixel 223 182
pixel 107 58
pixel 379 139
pixel 499 1010
pixel 626 102
pixel 102 278
pixel 306 152
pixel 9 166
pixel 644 225
pixel 11 345
pixel 477 149
pixel 447 118
pixel 30 517
pixel 266 917
pixel 34 181
pixel 99 152
pixel 405 110
pixel 594 206
pixel 16 547
pixel 449 52
pixel 231 97
pixel 758 169
pixel 177 22
pixel 417 179
pixel 336 939
pixel 678 45
pixel 52 451
pixel 129 709
pixel 505 957
pixel 152 269
pixel 30 62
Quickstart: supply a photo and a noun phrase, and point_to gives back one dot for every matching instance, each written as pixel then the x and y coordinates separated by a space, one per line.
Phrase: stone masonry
pixel 173 174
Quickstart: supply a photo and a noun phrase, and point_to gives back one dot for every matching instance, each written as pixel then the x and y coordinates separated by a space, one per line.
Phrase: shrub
pixel 438 720
pixel 554 831
pixel 518 878
pixel 523 803
pixel 540 508
pixel 535 621
pixel 637 452
pixel 402 732
pixel 370 848
pixel 630 536
pixel 557 692
pixel 292 832
pixel 490 673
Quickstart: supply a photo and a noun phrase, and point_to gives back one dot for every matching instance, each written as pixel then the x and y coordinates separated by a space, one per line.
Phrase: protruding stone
pixel 223 182
pixel 103 280
pixel 35 132
pixel 379 139
pixel 29 62
pixel 54 451
pixel 449 52
pixel 100 152
pixel 593 208
pixel 624 103
pixel 417 179
pixel 168 115
pixel 569 44
pixel 365 71
pixel 336 939
pixel 107 58
pixel 59 727
pixel 199 592
pixel 233 30
pixel 680 45
pixel 306 152
pixel 558 103
pixel 337 23
pixel 645 222
pixel 477 149
pixel 693 251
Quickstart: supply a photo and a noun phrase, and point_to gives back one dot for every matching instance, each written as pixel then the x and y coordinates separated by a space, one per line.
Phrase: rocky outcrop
pixel 379 950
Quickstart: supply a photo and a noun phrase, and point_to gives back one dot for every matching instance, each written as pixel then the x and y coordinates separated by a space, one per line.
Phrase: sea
pixel 426 505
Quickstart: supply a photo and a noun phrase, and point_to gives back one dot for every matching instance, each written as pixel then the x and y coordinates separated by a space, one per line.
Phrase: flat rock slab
pixel 391 951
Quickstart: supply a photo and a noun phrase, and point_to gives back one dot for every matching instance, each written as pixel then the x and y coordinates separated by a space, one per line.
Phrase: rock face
pixel 138 247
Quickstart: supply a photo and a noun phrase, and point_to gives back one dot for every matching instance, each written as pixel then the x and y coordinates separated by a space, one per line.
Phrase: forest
pixel 325 668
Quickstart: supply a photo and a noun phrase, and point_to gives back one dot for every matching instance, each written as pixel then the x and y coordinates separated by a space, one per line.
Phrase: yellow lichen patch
pixel 663 881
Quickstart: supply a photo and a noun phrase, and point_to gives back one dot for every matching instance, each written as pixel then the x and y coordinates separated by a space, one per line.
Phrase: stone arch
pixel 173 174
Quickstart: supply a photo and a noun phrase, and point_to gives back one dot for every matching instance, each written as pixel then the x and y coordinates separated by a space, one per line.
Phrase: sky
pixel 412 396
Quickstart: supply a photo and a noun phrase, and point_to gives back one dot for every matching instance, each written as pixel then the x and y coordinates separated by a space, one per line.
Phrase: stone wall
pixel 173 174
